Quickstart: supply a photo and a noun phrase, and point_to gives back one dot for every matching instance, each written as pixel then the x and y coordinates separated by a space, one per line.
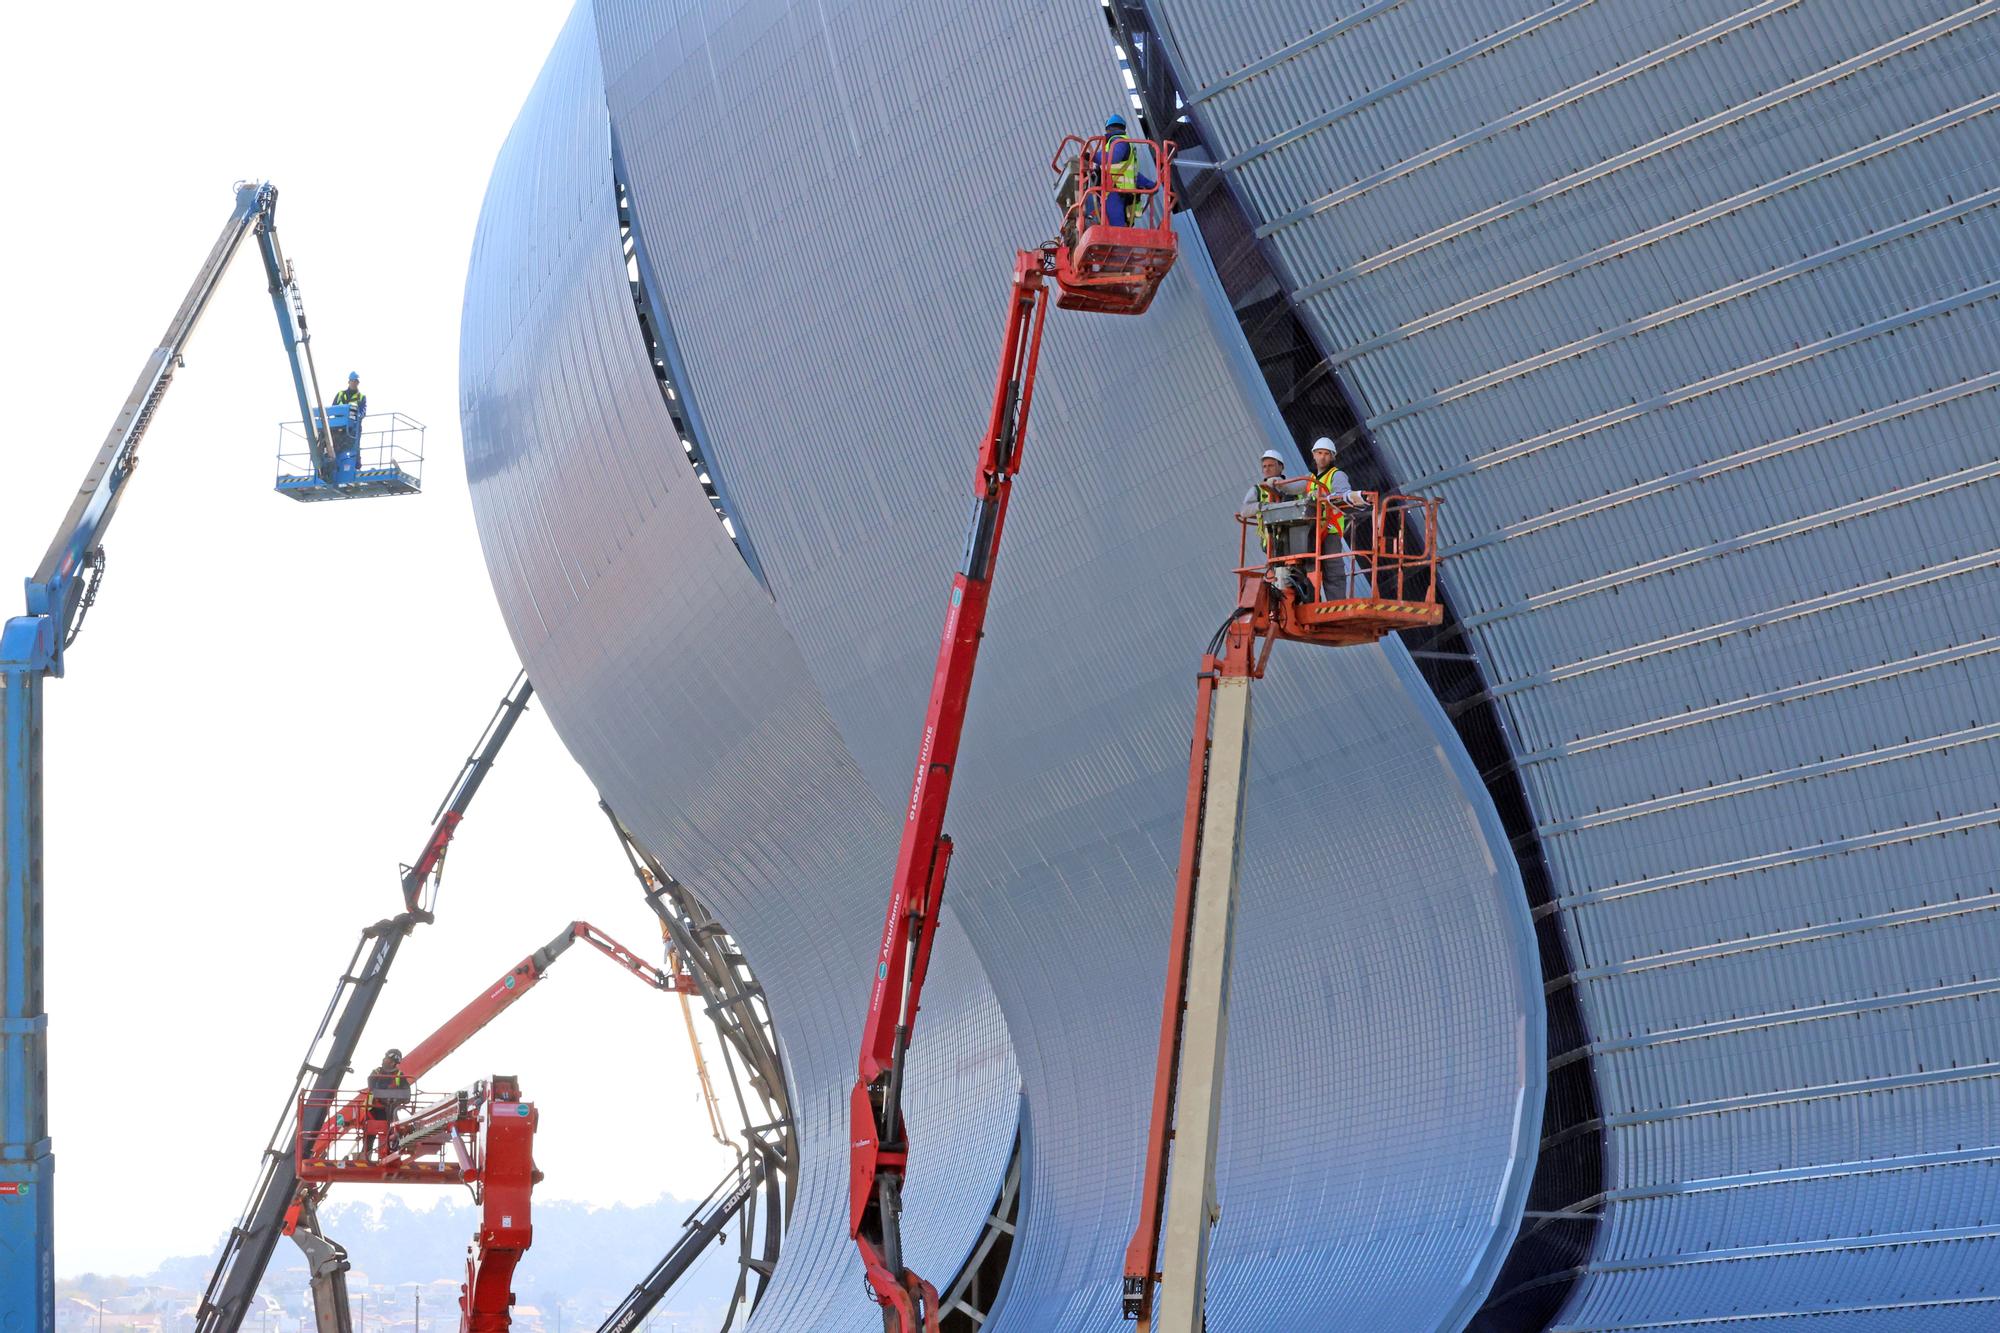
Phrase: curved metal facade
pixel 1689 312
pixel 660 662
pixel 836 317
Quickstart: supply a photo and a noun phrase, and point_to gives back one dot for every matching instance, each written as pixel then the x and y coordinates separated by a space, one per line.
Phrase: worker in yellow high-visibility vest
pixel 347 442
pixel 1278 539
pixel 1334 494
pixel 1118 167
pixel 1271 488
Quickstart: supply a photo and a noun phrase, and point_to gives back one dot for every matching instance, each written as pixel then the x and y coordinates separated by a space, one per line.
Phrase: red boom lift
pixel 1096 266
pixel 1371 570
pixel 246 1253
pixel 488 1130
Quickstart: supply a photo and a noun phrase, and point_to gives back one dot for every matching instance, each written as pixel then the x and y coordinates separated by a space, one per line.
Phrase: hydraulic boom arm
pixel 247 1252
pixel 703 1225
pixel 428 868
pixel 880 1142
pixel 496 1000
pixel 33 647
pixel 55 591
pixel 1114 247
pixel 1385 581
pixel 339 1146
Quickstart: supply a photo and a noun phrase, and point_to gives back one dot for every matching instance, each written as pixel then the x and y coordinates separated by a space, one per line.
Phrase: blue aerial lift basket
pixel 387 457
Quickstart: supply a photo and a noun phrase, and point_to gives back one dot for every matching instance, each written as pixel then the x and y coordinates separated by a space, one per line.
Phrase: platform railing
pixel 1084 193
pixel 1379 547
pixel 388 440
pixel 350 1135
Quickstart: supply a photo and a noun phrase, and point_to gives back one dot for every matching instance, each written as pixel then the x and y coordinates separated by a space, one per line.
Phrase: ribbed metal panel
pixel 832 251
pixel 666 672
pixel 1689 312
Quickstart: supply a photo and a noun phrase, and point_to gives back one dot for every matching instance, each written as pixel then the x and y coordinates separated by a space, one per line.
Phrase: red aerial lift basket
pixel 364 1148
pixel 1099 266
pixel 1354 572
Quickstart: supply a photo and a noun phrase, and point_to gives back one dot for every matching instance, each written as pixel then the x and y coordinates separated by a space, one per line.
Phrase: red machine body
pixel 489 1133
pixel 482 1136
pixel 504 1163
pixel 1096 267
pixel 429 860
pixel 1112 270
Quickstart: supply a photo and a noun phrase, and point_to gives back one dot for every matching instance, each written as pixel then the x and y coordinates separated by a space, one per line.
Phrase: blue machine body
pixel 32 648
pixel 341 425
pixel 356 468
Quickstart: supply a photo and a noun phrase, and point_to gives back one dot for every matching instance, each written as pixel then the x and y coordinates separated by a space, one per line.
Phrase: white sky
pixel 269 698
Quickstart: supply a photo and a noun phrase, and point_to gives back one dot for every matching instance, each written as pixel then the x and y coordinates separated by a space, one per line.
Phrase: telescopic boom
pixel 1095 266
pixel 33 647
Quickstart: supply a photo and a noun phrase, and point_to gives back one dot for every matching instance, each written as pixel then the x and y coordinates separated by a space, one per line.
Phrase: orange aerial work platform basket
pixel 402 1147
pixel 1116 244
pixel 1344 573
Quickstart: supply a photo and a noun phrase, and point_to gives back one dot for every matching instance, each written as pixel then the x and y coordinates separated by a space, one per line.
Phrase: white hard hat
pixel 1323 442
pixel 1273 455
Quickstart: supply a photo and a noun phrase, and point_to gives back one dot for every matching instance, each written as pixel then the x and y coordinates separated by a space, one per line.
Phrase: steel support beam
pixel 735 1004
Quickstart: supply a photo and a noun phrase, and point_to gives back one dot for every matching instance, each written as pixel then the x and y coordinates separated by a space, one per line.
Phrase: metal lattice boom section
pixel 735 1003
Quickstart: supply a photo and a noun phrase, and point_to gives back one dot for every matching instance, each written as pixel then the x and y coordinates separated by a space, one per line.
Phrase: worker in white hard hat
pixel 1334 497
pixel 1269 488
pixel 1278 539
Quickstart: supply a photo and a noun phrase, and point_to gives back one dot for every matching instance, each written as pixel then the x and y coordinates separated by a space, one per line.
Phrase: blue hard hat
pixel 354 374
pixel 1116 122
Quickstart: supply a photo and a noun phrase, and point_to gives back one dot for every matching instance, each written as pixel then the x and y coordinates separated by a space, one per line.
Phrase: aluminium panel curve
pixel 661 665
pixel 1692 313
pixel 834 262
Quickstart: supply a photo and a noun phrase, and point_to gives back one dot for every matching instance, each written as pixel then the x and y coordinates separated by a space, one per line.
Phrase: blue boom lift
pixel 32 648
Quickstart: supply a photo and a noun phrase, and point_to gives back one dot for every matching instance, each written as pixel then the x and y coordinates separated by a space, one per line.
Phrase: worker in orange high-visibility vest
pixel 1329 487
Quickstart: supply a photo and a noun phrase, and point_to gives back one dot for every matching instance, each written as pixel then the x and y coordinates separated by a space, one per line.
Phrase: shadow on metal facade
pixel 830 197
pixel 1689 312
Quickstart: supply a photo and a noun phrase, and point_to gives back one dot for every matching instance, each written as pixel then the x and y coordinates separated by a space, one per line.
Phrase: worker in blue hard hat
pixel 347 442
pixel 1118 169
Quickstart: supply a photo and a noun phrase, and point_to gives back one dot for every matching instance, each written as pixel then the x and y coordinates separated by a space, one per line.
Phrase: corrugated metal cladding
pixel 667 674
pixel 831 195
pixel 1688 311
